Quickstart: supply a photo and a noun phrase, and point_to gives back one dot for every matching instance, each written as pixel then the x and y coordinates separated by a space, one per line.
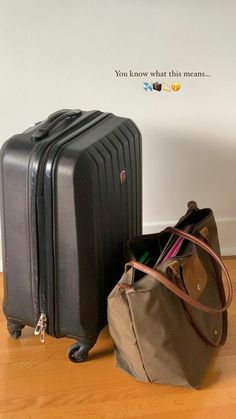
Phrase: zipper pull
pixel 41 327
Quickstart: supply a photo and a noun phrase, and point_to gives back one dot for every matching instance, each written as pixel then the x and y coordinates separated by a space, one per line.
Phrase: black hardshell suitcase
pixel 71 198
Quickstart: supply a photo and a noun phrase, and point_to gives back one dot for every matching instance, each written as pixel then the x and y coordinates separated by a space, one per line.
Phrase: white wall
pixel 64 53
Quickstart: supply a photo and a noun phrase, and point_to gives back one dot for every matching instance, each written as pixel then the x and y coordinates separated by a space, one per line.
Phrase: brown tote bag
pixel 168 313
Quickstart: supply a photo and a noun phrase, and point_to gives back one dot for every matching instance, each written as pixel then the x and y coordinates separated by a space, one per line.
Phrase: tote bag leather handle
pixel 176 290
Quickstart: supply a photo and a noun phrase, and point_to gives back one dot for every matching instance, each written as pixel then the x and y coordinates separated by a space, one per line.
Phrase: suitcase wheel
pixel 14 329
pixel 78 352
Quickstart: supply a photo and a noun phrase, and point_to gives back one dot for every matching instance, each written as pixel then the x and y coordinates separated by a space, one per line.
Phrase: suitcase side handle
pixel 55 118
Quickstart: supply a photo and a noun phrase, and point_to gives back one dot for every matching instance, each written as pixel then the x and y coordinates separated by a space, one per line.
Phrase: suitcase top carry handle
pixel 58 113
pixel 54 119
pixel 176 290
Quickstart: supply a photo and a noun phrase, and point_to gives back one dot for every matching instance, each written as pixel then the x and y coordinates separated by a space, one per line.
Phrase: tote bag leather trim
pixel 176 290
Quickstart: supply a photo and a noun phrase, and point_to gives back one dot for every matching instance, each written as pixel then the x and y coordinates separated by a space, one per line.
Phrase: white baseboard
pixel 226 229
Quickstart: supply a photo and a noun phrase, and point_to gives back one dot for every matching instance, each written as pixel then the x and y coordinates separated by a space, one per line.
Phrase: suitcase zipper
pixel 41 327
pixel 42 324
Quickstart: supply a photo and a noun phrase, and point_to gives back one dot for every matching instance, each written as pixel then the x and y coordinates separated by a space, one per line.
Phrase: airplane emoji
pixel 147 86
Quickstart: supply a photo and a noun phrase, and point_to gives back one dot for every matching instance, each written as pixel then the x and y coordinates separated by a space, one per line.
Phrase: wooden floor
pixel 37 381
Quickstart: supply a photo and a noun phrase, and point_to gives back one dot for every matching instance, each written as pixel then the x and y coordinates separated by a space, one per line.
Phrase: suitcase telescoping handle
pixel 54 119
